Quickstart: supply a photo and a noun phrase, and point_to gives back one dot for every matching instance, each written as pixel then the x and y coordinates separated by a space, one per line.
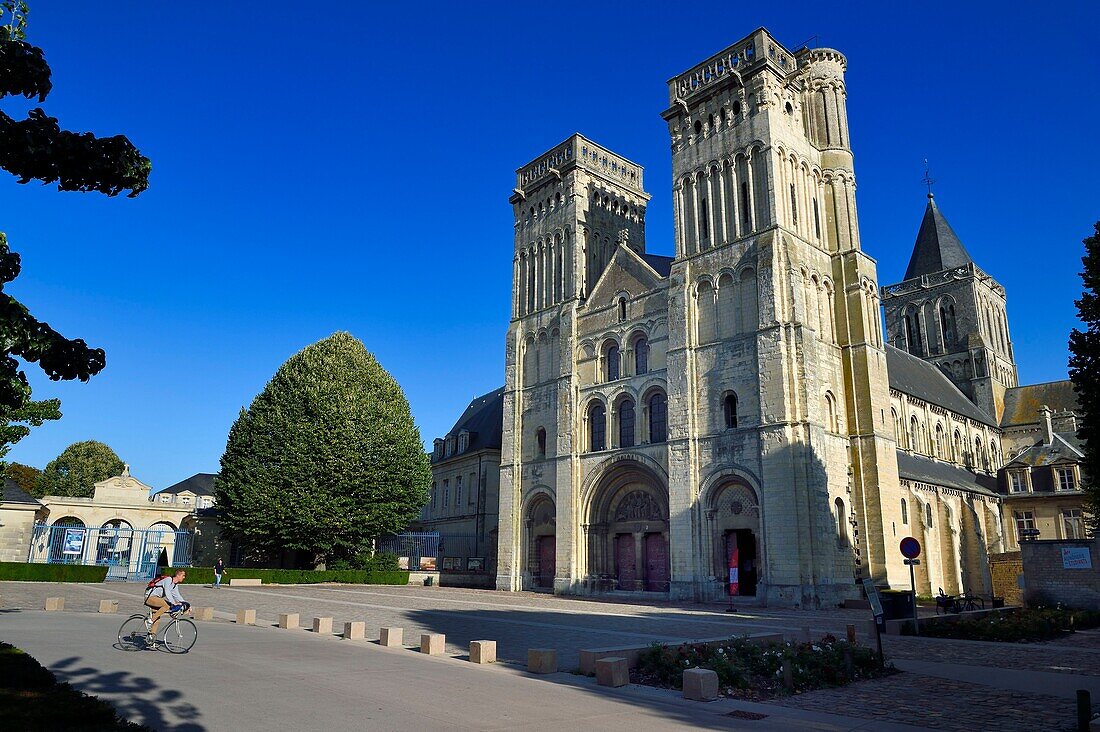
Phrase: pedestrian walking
pixel 219 570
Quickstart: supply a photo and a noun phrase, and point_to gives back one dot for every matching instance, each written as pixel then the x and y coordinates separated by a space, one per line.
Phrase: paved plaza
pixel 243 677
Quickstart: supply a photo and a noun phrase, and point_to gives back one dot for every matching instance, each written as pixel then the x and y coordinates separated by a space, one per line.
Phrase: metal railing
pixel 129 554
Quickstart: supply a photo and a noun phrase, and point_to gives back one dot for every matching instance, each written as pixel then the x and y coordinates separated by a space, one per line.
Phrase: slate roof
pixel 201 484
pixel 934 472
pixel 916 377
pixel 1065 446
pixel 661 265
pixel 14 494
pixel 484 420
pixel 1022 402
pixel 937 247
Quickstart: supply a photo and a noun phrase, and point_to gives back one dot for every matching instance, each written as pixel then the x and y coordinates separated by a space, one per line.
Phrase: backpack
pixel 153 582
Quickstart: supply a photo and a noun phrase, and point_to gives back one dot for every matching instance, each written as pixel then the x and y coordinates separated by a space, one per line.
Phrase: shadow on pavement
pixel 137 698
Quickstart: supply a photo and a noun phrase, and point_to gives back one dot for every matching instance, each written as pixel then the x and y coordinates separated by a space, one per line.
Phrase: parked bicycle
pixel 177 635
pixel 958 603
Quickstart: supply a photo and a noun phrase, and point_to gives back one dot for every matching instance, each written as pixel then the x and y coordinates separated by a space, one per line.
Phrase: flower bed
pixel 1021 626
pixel 755 672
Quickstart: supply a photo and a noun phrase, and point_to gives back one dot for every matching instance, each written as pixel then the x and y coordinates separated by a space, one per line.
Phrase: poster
pixel 73 543
pixel 402 562
pixel 475 564
pixel 427 564
pixel 1076 557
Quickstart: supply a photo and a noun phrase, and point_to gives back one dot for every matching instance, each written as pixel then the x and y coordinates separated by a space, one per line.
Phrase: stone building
pixel 739 402
pixel 462 505
pixel 17 512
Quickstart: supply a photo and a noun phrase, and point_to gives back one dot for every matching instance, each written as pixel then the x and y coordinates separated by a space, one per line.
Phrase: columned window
pixel 597 427
pixel 626 424
pixel 658 418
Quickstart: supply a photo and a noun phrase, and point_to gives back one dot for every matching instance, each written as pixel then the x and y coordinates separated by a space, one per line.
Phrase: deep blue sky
pixel 346 166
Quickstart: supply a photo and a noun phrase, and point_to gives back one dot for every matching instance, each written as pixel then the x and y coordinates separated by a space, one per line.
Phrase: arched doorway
pixel 540 523
pixel 113 543
pixel 68 536
pixel 733 518
pixel 628 530
pixel 160 545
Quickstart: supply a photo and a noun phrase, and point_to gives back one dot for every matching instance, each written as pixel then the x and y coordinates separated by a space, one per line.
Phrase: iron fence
pixel 129 554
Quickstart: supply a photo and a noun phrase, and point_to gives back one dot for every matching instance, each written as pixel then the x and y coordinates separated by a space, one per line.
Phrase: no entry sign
pixel 910 548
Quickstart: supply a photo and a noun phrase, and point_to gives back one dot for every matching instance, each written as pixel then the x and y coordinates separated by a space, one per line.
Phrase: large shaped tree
pixel 36 148
pixel 325 459
pixel 1084 371
pixel 78 468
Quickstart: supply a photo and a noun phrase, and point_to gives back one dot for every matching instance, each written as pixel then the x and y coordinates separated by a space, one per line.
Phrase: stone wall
pixel 1006 569
pixel 1047 581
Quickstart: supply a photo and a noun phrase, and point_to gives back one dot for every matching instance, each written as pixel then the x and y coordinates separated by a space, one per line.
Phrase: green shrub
pixel 1013 626
pixel 751 671
pixel 32 699
pixel 367 563
pixel 21 571
pixel 205 576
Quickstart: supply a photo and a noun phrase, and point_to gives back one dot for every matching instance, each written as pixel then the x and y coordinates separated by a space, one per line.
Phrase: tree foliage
pixel 1084 371
pixel 78 468
pixel 325 459
pixel 24 476
pixel 36 148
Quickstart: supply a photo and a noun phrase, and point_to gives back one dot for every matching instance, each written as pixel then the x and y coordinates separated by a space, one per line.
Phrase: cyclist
pixel 163 596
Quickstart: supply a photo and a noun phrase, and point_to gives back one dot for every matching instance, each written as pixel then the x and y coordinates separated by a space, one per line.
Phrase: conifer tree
pixel 1084 371
pixel 325 459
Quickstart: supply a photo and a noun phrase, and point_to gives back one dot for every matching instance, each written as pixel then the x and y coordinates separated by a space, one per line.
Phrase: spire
pixel 937 247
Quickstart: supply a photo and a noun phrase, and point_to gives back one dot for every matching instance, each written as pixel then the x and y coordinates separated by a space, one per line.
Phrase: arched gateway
pixel 732 511
pixel 627 530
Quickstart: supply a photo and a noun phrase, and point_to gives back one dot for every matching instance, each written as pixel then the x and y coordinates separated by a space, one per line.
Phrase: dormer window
pixel 437 447
pixel 166 498
pixel 463 441
pixel 1067 478
pixel 1017 481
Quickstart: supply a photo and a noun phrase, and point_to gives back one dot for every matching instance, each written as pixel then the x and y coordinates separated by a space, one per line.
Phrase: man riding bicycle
pixel 163 596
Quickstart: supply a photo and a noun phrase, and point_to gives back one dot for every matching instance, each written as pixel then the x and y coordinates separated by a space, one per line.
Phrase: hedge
pixel 205 576
pixel 24 572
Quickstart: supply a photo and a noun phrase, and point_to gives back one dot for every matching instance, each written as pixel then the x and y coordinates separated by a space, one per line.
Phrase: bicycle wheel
pixel 180 635
pixel 131 636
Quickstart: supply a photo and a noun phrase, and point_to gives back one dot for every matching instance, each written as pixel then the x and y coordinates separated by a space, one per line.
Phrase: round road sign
pixel 910 548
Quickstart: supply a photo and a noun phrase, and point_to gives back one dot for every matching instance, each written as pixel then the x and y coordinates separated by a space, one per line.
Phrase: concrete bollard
pixel 322 625
pixel 290 621
pixel 851 633
pixel 246 617
pixel 203 613
pixel 483 651
pixel 356 630
pixel 390 637
pixel 108 606
pixel 433 643
pixel 54 604
pixel 542 660
pixel 612 671
pixel 700 684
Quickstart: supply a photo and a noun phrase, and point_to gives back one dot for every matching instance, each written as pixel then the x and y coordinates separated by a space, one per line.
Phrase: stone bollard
pixel 356 630
pixel 246 617
pixel 433 643
pixel 483 651
pixel 542 660
pixel 54 604
pixel 390 637
pixel 290 621
pixel 851 633
pixel 700 684
pixel 788 673
pixel 322 625
pixel 612 671
pixel 108 606
pixel 203 613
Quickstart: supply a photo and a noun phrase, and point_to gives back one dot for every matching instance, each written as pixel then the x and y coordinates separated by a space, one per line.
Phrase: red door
pixel 547 558
pixel 656 563
pixel 625 561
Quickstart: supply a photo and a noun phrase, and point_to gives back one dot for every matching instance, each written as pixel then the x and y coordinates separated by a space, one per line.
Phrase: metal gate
pixel 129 554
pixel 415 551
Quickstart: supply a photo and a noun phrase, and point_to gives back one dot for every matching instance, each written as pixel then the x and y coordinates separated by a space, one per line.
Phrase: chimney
pixel 1044 422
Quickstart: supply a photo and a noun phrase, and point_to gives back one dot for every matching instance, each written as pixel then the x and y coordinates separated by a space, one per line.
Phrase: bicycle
pixel 178 634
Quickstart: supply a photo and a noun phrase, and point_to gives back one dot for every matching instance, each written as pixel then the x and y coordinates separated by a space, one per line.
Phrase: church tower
pixel 951 313
pixel 573 207
pixel 774 310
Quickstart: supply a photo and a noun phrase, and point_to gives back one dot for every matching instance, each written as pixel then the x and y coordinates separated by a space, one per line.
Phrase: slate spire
pixel 937 247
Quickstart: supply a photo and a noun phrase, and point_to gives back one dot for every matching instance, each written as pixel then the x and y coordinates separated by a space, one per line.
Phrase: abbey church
pixel 739 403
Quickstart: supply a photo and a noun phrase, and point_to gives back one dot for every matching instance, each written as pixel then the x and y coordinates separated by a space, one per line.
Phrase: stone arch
pixel 627 530
pixel 540 539
pixel 731 508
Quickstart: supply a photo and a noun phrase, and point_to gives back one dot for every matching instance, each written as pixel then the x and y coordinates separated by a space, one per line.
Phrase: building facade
pixel 739 404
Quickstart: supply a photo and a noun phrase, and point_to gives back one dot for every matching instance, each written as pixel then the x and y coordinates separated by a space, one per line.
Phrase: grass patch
pixel 205 576
pixel 32 699
pixel 1019 626
pixel 22 571
pixel 755 671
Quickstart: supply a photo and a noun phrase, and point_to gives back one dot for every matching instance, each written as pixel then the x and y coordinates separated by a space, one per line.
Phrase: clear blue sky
pixel 346 166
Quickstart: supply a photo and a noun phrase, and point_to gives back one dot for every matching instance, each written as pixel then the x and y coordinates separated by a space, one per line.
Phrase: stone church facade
pixel 664 415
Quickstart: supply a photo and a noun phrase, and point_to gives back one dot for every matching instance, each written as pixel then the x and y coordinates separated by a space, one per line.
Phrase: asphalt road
pixel 244 678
